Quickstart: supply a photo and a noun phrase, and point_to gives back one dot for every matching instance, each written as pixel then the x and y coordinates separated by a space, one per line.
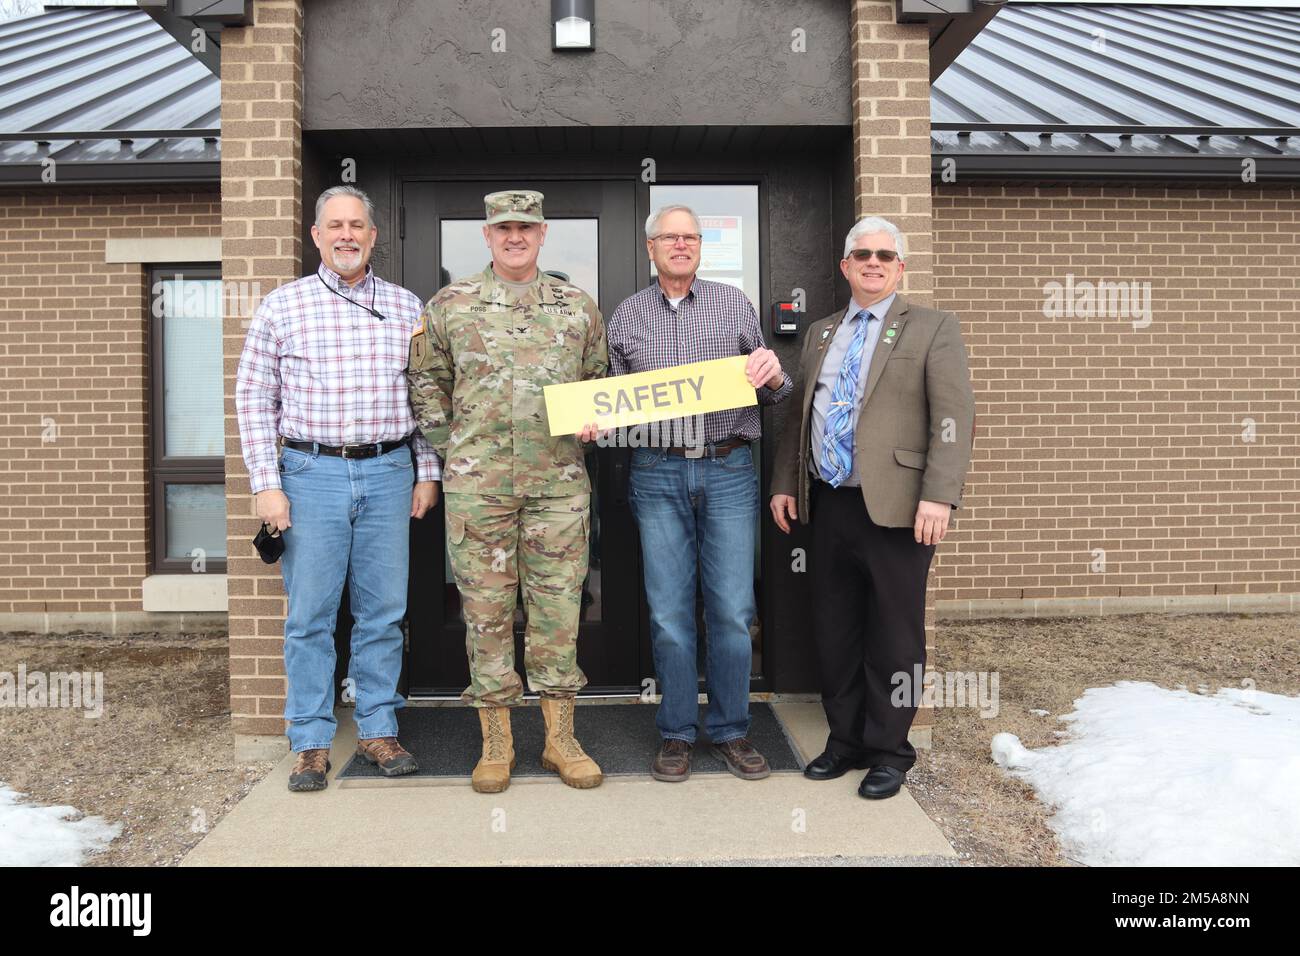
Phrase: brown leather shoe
pixel 309 770
pixel 673 762
pixel 388 754
pixel 743 760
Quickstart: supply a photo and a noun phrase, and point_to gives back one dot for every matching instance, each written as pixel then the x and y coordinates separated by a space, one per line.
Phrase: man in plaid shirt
pixel 322 374
pixel 697 496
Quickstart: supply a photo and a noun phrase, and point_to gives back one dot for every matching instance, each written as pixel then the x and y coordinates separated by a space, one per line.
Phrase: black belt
pixel 372 450
pixel 720 450
pixel 817 481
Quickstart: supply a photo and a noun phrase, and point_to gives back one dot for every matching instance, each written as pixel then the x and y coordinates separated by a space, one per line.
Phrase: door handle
pixel 619 461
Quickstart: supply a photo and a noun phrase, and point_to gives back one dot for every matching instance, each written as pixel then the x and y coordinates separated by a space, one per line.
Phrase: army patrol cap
pixel 514 205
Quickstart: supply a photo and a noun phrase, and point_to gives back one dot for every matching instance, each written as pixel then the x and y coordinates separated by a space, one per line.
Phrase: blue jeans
pixel 350 522
pixel 698 511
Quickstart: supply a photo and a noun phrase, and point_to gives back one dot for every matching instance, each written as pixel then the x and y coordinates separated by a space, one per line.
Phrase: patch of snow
pixel 1157 777
pixel 35 835
pixel 1040 713
pixel 1009 752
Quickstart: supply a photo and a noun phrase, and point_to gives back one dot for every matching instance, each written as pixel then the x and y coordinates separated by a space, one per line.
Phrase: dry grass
pixel 160 760
pixel 993 819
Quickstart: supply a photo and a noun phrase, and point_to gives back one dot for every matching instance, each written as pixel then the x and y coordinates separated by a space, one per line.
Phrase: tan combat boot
pixel 563 753
pixel 492 774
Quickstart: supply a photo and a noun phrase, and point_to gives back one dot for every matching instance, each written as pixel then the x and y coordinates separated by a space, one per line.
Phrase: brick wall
pixel 1094 433
pixel 891 131
pixel 261 188
pixel 891 174
pixel 74 336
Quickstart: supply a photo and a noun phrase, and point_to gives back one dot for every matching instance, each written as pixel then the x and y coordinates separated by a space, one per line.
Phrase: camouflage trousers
pixel 496 542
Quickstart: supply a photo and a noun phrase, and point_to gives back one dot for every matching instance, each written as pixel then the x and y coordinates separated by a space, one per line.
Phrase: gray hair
pixel 352 191
pixel 652 224
pixel 870 224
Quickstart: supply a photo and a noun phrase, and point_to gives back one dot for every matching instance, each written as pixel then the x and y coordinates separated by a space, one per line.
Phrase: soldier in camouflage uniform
pixel 518 501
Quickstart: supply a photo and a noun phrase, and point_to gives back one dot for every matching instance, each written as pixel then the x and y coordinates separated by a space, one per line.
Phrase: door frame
pixel 614 644
pixel 762 681
pixel 513 168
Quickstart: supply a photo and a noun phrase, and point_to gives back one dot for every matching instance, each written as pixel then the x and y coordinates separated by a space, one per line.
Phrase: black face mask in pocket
pixel 269 544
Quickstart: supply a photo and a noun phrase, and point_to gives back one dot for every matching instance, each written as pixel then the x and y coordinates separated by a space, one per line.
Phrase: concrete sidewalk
pixel 710 819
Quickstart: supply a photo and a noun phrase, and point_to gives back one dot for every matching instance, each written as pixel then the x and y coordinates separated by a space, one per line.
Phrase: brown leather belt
pixel 372 450
pixel 721 450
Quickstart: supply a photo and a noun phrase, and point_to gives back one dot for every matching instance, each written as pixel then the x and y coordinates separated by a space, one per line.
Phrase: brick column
pixel 891 172
pixel 261 248
pixel 891 131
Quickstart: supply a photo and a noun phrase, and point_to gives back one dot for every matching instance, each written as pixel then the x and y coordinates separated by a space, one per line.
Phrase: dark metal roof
pixel 109 95
pixel 1058 91
pixel 953 24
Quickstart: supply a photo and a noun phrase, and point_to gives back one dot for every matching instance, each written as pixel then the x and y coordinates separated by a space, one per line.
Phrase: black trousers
pixel 868 585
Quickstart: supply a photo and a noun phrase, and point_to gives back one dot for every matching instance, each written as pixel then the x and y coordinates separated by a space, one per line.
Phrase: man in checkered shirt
pixel 697 496
pixel 323 376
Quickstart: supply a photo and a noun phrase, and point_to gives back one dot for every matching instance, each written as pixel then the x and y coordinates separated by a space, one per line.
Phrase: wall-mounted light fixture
pixel 572 23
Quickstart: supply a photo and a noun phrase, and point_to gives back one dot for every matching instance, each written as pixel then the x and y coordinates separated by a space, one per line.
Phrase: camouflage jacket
pixel 479 360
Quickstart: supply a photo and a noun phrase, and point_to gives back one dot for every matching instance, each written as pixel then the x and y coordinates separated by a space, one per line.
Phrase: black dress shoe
pixel 831 765
pixel 881 782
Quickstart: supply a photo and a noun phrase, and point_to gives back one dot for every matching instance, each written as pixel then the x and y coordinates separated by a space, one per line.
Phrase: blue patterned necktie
pixel 837 441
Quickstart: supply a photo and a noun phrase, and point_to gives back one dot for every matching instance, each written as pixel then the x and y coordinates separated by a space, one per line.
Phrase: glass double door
pixel 591 242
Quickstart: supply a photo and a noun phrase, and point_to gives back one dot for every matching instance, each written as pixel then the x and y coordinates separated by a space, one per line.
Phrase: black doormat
pixel 622 738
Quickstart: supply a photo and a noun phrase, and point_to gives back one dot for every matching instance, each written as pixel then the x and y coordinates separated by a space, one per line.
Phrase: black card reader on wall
pixel 785 318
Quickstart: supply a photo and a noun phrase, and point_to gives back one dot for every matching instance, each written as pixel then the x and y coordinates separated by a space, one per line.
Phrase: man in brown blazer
pixel 876 466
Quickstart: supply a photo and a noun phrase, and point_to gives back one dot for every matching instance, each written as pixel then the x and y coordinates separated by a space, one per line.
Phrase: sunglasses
pixel 884 255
